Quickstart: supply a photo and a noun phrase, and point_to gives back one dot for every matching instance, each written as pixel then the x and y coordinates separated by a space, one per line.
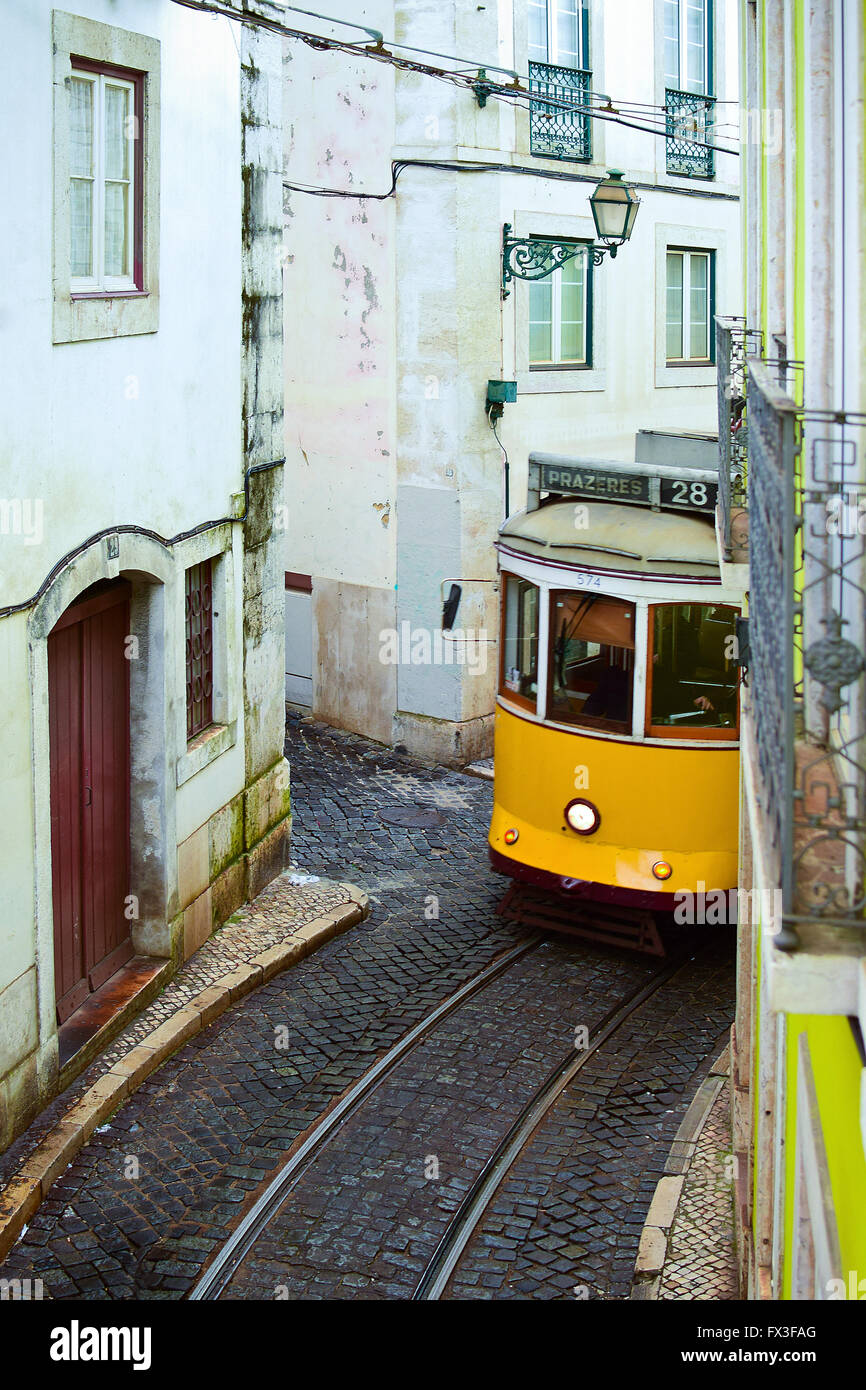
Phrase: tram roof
pixel 616 537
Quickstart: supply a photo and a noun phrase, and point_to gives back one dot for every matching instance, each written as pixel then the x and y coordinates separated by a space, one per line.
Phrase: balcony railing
pixel 807 674
pixel 689 125
pixel 734 344
pixel 555 131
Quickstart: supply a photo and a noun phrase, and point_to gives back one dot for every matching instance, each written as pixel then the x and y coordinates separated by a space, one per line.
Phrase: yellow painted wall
pixel 837 1069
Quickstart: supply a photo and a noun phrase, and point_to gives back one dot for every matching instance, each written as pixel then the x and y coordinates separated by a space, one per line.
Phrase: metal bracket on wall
pixel 532 258
pixel 482 88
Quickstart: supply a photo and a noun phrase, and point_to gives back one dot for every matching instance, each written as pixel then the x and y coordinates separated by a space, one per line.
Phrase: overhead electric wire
pixel 453 166
pixel 465 80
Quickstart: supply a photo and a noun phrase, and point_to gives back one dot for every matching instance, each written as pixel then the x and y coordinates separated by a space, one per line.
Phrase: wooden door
pixel 88 716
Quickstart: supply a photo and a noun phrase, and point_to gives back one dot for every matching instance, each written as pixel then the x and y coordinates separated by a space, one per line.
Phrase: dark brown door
pixel 88 716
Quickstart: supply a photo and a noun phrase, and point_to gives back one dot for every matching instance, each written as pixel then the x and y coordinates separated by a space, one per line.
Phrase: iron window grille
pixel 199 648
pixel 555 130
pixel 689 127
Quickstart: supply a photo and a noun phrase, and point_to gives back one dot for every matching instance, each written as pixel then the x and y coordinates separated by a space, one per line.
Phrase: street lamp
pixel 614 209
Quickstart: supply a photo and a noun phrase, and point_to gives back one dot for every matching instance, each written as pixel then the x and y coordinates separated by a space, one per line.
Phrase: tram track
pixel 434 1280
pixel 221 1269
pixel 446 1257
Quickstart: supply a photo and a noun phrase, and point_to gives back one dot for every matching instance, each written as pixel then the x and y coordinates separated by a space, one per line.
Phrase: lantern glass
pixel 614 208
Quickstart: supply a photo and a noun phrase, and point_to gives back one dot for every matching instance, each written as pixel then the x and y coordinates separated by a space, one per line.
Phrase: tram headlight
pixel 511 836
pixel 582 816
pixel 662 869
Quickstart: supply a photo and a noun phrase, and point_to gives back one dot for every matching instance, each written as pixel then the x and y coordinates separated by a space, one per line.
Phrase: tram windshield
pixel 591 661
pixel 692 678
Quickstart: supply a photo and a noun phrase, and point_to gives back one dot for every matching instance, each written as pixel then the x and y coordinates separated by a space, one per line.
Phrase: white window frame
pixel 687 253
pixel 81 315
pixel 682 46
pixel 540 380
pixel 681 237
pixel 557 362
pixel 553 57
pixel 98 280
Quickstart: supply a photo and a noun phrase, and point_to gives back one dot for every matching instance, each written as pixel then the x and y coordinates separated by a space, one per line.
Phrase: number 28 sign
pixel 682 492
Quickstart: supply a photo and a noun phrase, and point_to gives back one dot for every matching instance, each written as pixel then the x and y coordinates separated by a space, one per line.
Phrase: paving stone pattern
pixel 567 1219
pixel 701 1261
pixel 365 1218
pixel 285 905
pixel 146 1202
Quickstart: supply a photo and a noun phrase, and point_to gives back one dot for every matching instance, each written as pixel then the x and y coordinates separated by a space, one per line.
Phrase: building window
pixel 199 648
pixel 690 293
pixel 687 45
pixel 559 69
pixel 560 308
pixel 689 104
pixel 105 179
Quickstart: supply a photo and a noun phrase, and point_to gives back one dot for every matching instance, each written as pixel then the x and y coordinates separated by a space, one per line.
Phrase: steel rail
pixel 462 1227
pixel 245 1234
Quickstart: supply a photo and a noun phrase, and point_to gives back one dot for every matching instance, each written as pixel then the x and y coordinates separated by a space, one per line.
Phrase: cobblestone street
pixel 154 1195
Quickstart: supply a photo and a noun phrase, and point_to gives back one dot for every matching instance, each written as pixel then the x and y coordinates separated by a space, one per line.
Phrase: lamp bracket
pixel 482 88
pixel 532 258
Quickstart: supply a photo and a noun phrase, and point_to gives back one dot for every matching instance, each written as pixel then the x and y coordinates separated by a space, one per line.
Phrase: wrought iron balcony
pixel 734 344
pixel 555 131
pixel 689 124
pixel 807 674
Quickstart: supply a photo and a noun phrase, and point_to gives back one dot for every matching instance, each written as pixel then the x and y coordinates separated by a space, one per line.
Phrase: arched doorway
pixel 89 721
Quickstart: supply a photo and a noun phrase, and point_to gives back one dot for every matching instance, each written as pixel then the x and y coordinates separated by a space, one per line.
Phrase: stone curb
pixel 29 1186
pixel 653 1247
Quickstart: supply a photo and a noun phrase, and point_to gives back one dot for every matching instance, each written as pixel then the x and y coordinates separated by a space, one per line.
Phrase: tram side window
pixel 591 661
pixel 520 640
pixel 692 679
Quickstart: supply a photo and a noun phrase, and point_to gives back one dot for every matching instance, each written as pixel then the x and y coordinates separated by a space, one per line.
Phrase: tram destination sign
pixel 691 490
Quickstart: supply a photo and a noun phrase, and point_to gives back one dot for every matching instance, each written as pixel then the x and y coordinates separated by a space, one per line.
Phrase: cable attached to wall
pixel 505 458
pixel 130 529
pixel 481 167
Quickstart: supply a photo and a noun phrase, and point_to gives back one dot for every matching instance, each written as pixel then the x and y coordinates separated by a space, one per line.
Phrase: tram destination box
pixel 648 485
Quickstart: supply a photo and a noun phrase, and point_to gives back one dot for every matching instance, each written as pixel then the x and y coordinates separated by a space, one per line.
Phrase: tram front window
pixel 520 641
pixel 591 661
pixel 693 679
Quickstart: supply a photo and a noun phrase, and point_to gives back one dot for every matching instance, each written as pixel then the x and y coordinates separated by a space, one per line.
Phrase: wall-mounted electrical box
pixel 499 394
pixel 503 392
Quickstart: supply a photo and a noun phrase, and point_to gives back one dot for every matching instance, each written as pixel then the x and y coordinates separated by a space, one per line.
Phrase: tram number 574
pixel 587 581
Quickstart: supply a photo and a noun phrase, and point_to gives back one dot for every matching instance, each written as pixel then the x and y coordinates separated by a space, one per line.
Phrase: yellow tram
pixel 616 752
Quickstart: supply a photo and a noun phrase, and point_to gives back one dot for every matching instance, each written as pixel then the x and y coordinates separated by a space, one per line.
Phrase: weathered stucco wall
pixel 395 323
pixel 134 434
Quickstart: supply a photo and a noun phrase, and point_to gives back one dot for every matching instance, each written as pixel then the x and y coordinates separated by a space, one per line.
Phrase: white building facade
pixel 395 483
pixel 144 794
